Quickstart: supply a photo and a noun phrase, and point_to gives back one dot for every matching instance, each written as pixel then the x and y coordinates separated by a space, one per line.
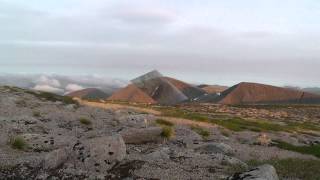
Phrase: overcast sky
pixel 200 41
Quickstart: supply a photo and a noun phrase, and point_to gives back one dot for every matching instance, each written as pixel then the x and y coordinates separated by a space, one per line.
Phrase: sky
pixel 198 41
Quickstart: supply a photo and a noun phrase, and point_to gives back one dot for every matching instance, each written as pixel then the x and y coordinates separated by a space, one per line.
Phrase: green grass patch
pixel 179 113
pixel 201 131
pixel 163 122
pixel 303 126
pixel 240 124
pixel 167 132
pixel 312 150
pixel 18 143
pixel 293 168
pixel 85 121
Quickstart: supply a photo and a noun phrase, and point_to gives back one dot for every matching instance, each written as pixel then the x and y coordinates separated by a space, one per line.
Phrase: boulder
pixel 55 158
pixel 99 154
pixel 187 137
pixel 141 136
pixel 39 142
pixel 134 120
pixel 264 172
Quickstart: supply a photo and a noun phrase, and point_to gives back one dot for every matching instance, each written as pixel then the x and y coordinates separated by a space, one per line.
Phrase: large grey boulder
pixel 134 120
pixel 55 158
pixel 39 142
pixel 264 172
pixel 99 154
pixel 141 136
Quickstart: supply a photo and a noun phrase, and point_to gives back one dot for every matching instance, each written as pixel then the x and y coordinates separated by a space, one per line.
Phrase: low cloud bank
pixel 61 84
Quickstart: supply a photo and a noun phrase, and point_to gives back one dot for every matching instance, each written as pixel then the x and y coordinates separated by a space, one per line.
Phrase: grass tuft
pixel 167 132
pixel 85 121
pixel 18 143
pixel 36 114
pixel 163 122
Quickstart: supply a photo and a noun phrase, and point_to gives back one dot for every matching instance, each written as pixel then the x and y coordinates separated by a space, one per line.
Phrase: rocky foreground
pixel 42 137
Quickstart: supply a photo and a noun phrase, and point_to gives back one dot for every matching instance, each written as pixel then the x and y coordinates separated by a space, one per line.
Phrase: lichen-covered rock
pixel 39 142
pixel 264 172
pixel 187 137
pixel 56 158
pixel 99 154
pixel 134 120
pixel 141 136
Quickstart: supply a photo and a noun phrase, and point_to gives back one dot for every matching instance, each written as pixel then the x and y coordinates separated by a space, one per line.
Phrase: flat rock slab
pixel 99 154
pixel 264 172
pixel 141 136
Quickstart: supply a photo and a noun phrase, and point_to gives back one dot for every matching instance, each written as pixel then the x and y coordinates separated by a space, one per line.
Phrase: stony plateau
pixel 43 136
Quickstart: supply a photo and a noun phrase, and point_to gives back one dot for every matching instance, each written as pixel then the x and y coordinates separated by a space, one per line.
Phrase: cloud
pixel 48 88
pixel 73 87
pixel 82 37
pixel 45 80
pixel 61 84
pixel 145 16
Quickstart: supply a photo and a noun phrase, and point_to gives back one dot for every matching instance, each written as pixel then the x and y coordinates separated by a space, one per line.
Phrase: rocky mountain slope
pixel 131 93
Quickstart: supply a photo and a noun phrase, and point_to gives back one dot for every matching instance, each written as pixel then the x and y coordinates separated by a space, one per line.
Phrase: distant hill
pixel 90 94
pixel 189 90
pixel 131 93
pixel 159 89
pixel 210 89
pixel 314 90
pixel 254 93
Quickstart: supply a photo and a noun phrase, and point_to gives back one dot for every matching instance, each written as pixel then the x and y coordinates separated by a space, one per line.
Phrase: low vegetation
pixel 163 122
pixel 36 114
pixel 18 143
pixel 85 121
pixel 179 113
pixel 201 131
pixel 293 168
pixel 312 150
pixel 239 124
pixel 167 128
pixel 167 132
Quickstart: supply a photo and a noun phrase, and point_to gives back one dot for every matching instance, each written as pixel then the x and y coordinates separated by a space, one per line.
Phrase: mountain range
pixel 153 88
